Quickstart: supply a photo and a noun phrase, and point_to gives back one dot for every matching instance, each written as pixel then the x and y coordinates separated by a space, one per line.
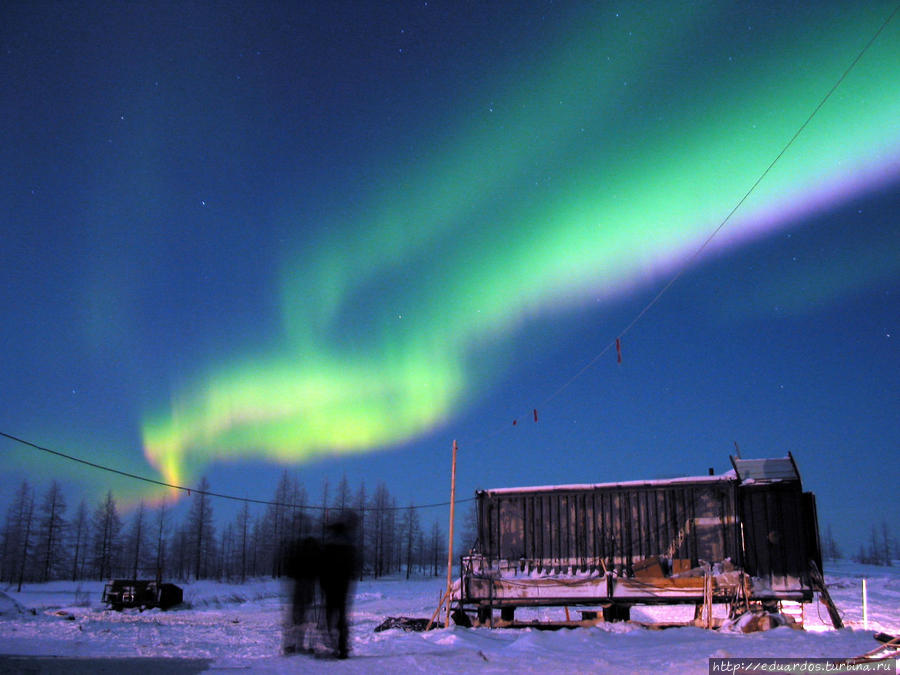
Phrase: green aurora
pixel 595 171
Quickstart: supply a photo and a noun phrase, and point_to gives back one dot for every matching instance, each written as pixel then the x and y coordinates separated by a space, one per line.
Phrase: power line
pixel 615 342
pixel 209 493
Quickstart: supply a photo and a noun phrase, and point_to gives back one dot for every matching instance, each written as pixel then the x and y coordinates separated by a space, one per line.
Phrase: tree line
pixel 43 541
pixel 881 549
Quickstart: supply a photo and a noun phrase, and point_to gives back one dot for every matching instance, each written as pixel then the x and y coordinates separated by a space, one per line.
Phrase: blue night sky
pixel 335 236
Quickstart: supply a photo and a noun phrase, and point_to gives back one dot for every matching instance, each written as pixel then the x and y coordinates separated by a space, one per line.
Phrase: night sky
pixel 335 236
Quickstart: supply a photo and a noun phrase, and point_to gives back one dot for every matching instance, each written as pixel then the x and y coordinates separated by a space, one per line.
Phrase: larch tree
pixel 51 527
pixel 13 529
pixel 277 522
pixel 410 529
pixel 421 552
pixel 227 552
pixel 200 525
pixel 178 553
pixel 107 526
pixel 323 521
pixel 886 547
pixel 16 546
pixel 378 531
pixel 242 533
pixel 436 548
pixel 256 562
pixel 342 497
pixel 136 540
pixel 160 530
pixel 28 518
pixel 362 512
pixel 79 531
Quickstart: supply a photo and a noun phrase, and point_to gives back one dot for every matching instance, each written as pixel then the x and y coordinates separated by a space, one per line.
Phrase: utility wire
pixel 208 493
pixel 572 379
pixel 696 254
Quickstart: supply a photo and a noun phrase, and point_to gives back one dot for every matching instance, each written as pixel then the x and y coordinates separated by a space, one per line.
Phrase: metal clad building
pixel 579 526
pixel 755 519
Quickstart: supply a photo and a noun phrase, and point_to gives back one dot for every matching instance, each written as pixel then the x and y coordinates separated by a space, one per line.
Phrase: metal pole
pixel 865 606
pixel 450 546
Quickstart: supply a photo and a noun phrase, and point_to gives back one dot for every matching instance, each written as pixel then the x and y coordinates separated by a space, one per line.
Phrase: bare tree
pixel 227 552
pixel 886 552
pixel 410 529
pixel 137 539
pixel 279 521
pixel 14 547
pixel 51 527
pixel 362 511
pixel 299 521
pixel 378 531
pixel 200 524
pixel 161 526
pixel 830 550
pixel 342 497
pixel 875 549
pixel 79 540
pixel 17 531
pixel 8 544
pixel 256 562
pixel 178 550
pixel 394 541
pixel 106 525
pixel 242 529
pixel 421 556
pixel 323 521
pixel 436 548
pixel 26 540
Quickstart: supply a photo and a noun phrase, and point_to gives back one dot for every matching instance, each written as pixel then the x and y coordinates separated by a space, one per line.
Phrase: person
pixel 302 567
pixel 336 574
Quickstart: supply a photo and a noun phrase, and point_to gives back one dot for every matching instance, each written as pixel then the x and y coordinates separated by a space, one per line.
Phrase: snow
pixel 8 606
pixel 728 476
pixel 239 627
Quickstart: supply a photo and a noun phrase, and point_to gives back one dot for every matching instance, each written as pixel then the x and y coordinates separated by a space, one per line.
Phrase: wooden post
pixel 450 546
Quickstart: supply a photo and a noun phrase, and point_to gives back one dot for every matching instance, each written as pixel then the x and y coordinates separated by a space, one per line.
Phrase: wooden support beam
pixel 818 583
pixel 438 610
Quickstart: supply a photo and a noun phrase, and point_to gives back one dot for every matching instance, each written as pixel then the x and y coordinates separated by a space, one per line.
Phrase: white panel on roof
pixel 779 468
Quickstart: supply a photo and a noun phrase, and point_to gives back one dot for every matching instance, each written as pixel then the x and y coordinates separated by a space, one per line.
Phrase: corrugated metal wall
pixel 618 525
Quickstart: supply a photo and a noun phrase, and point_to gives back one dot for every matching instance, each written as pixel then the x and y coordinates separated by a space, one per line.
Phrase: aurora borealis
pixel 291 236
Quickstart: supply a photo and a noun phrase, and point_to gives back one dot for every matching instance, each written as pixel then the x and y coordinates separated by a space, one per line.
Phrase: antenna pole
pixel 450 545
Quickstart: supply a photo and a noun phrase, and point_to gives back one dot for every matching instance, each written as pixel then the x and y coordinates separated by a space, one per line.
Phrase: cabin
pixel 748 538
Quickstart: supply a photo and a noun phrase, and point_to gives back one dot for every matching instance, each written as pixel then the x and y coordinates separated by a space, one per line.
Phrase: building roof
pixel 578 487
pixel 745 471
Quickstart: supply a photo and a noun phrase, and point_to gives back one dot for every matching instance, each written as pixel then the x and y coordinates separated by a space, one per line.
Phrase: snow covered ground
pixel 239 627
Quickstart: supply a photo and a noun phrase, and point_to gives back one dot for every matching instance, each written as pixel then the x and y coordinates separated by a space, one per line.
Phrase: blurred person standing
pixel 337 572
pixel 302 566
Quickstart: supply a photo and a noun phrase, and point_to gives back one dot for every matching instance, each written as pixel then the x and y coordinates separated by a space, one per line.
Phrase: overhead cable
pixel 209 493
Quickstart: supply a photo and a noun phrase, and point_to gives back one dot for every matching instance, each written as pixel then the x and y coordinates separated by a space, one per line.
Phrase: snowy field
pixel 238 628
